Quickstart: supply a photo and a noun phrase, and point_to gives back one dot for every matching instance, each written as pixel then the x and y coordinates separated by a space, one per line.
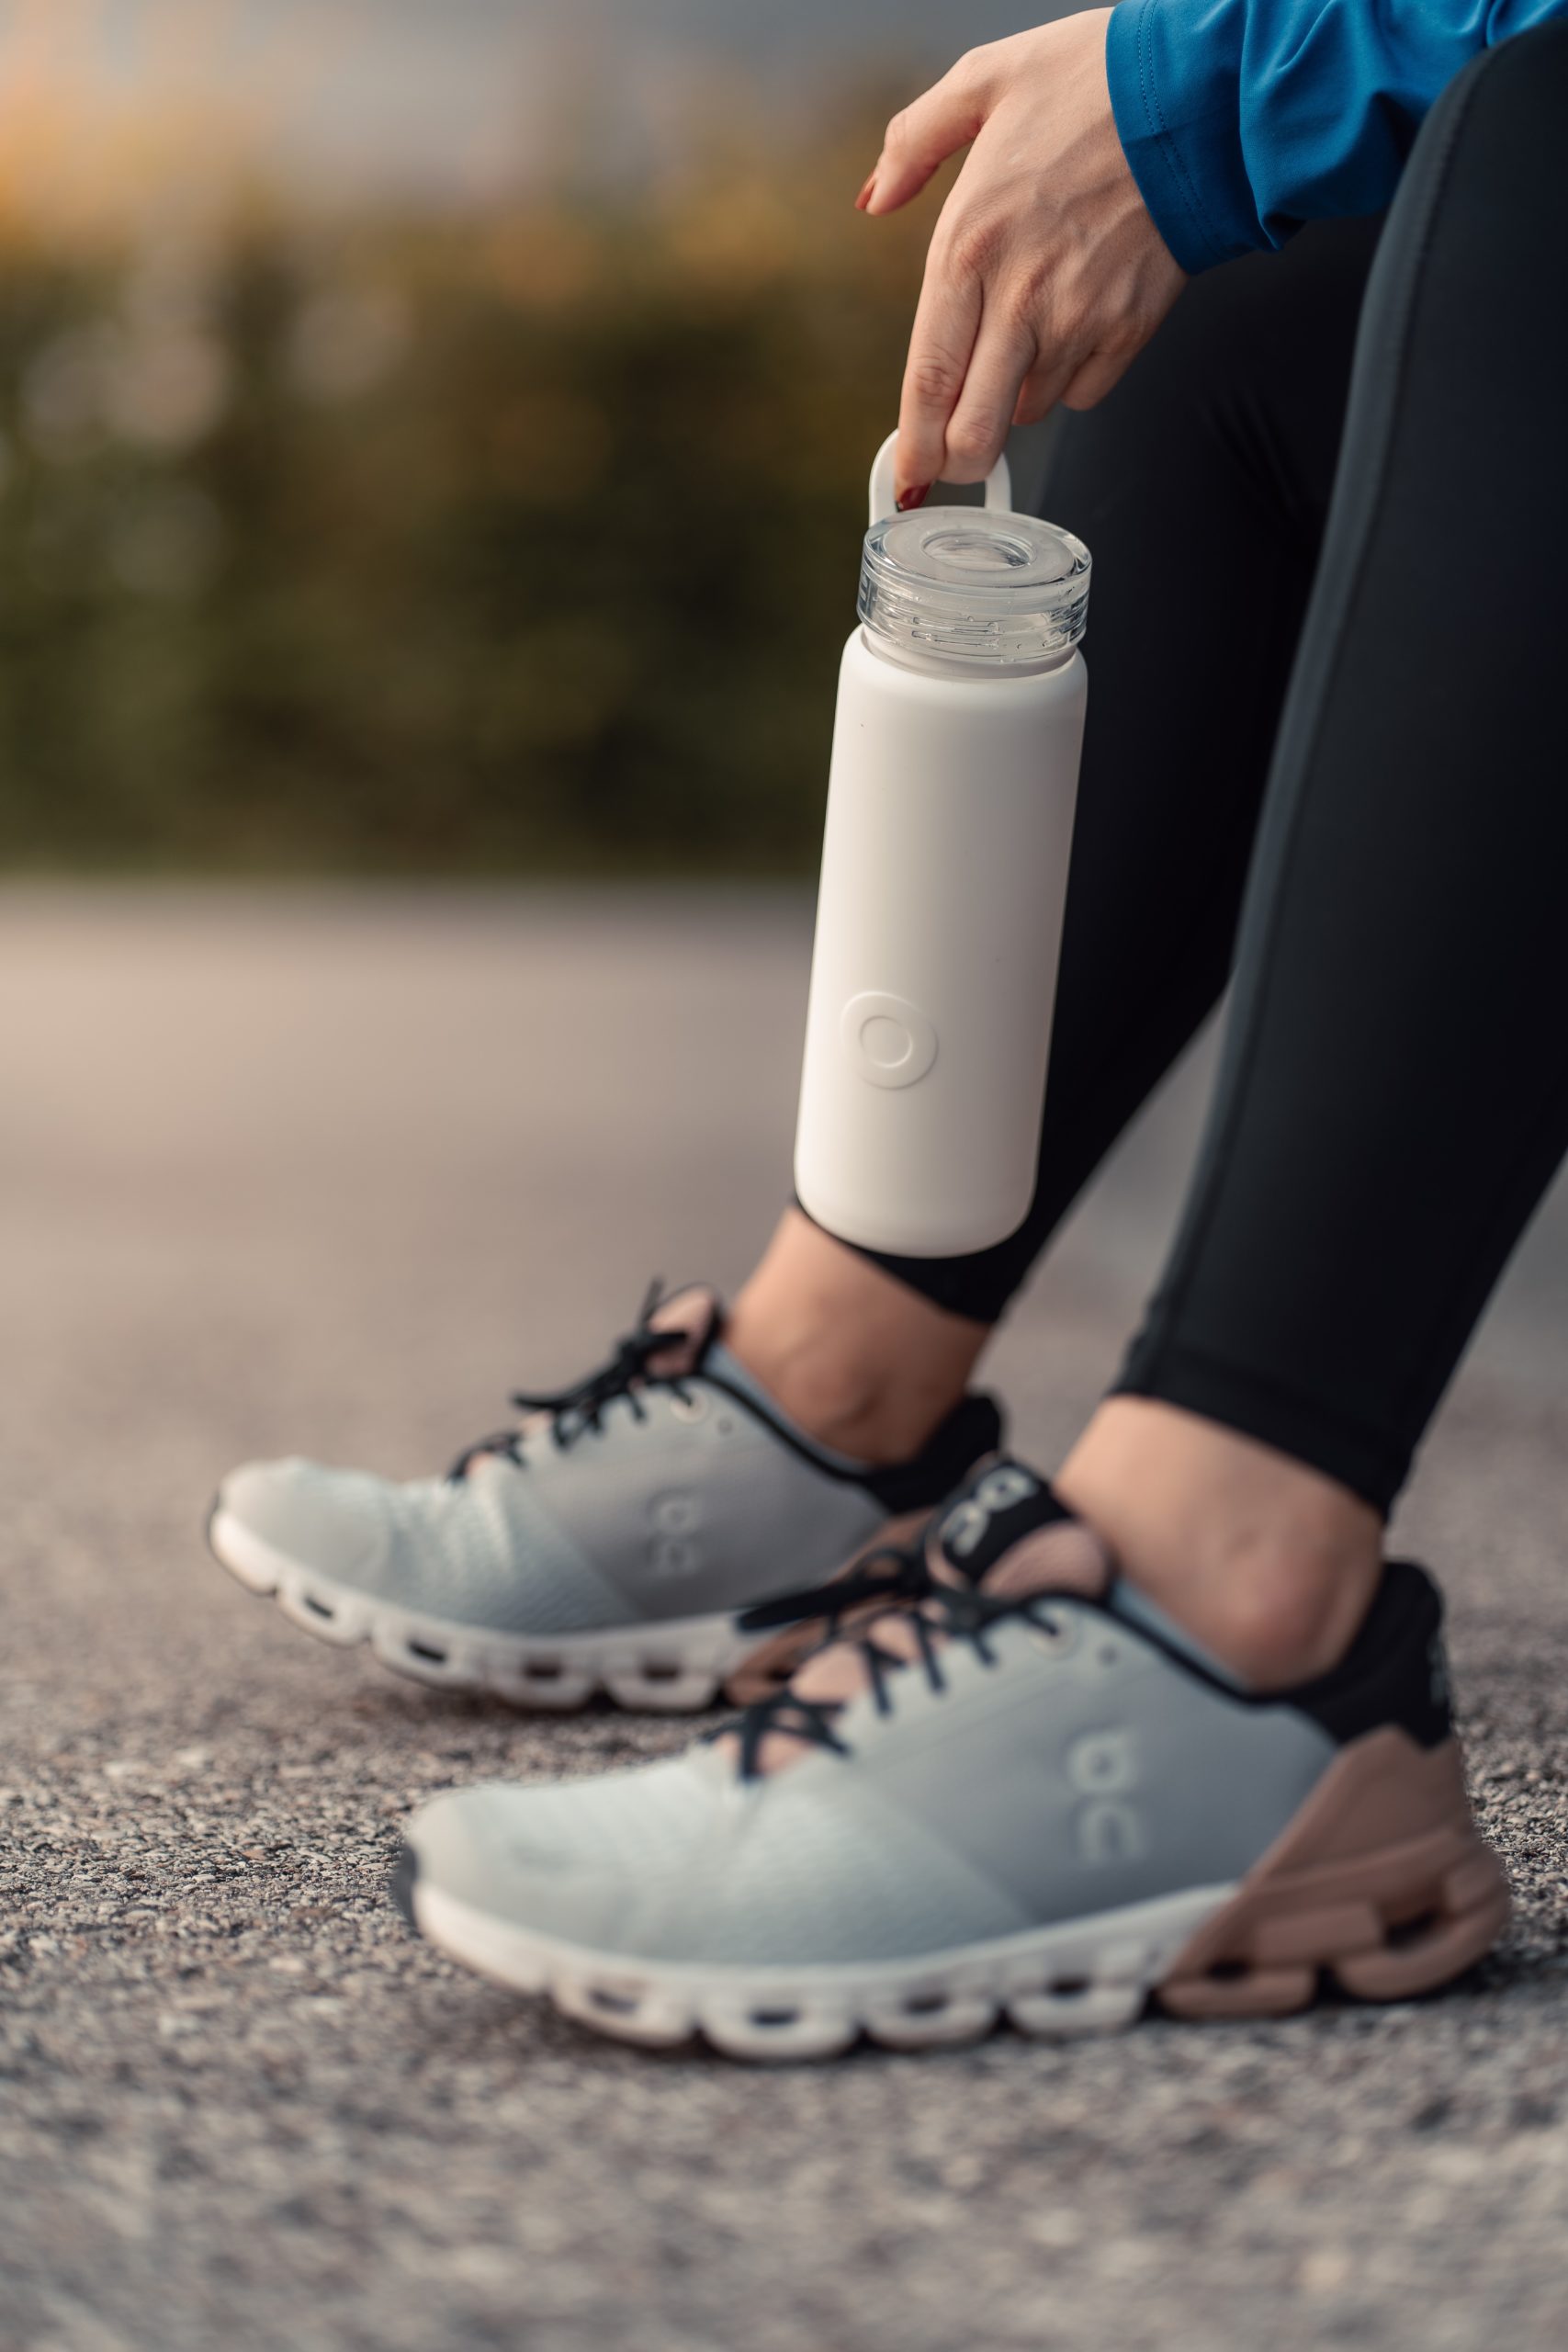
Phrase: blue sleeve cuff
pixel 1175 71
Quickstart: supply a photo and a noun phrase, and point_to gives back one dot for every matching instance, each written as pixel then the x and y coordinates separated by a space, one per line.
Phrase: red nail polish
pixel 863 198
pixel 915 496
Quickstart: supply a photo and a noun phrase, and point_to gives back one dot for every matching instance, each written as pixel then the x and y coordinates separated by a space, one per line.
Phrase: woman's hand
pixel 1046 274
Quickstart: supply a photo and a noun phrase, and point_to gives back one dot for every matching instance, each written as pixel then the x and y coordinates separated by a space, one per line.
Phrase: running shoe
pixel 609 1543
pixel 1021 1793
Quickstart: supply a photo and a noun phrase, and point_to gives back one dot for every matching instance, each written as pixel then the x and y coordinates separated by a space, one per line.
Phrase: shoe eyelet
pixel 1055 1639
pixel 689 1408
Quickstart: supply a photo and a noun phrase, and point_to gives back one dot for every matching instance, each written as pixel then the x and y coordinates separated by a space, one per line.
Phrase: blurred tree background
pixel 431 536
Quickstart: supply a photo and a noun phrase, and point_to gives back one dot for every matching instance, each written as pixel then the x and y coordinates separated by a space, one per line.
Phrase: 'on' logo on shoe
pixel 676 1515
pixel 1104 1768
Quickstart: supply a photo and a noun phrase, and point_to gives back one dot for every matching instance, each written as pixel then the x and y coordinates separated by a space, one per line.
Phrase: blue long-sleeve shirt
pixel 1242 118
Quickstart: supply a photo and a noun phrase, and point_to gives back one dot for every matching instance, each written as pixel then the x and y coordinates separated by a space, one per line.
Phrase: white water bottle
pixel 944 871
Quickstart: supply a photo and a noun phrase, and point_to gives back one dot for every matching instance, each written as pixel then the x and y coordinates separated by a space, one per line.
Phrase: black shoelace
pixel 889 1574
pixel 946 1613
pixel 580 1408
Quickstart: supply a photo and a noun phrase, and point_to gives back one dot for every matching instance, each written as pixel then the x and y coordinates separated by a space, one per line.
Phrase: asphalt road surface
pixel 335 1173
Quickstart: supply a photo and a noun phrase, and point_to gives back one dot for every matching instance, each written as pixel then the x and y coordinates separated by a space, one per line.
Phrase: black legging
pixel 1329 699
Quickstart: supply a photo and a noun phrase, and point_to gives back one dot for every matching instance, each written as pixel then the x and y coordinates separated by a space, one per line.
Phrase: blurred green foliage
pixel 486 542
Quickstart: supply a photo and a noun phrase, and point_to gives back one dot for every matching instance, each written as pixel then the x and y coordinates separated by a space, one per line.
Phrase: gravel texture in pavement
pixel 330 1173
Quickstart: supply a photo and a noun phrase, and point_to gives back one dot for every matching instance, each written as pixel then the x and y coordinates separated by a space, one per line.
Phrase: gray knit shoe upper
pixel 1016 1793
pixel 610 1540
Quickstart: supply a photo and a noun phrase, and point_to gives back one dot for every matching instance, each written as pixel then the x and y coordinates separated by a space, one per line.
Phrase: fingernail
pixel 863 198
pixel 915 496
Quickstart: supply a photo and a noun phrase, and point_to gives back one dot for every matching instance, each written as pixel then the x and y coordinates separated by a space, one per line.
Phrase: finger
pixel 1100 371
pixel 1004 352
pixel 1042 386
pixel 947 319
pixel 927 133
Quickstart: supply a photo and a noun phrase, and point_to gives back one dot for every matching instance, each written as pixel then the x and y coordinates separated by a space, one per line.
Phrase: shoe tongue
pixel 1006 1533
pixel 1003 1533
pixel 694 1319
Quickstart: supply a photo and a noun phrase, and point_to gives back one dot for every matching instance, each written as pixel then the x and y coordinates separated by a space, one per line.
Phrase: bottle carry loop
pixel 999 482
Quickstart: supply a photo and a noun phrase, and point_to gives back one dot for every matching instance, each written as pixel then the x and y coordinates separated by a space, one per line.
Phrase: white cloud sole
pixel 1083 1976
pixel 665 1668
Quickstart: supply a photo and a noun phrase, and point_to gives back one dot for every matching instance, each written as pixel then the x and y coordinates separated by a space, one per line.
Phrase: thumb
pixel 929 132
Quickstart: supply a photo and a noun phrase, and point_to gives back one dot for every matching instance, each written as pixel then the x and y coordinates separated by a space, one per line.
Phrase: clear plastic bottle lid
pixel 973 588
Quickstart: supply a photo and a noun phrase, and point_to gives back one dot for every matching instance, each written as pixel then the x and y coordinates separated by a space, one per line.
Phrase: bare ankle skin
pixel 862 1363
pixel 1269 1565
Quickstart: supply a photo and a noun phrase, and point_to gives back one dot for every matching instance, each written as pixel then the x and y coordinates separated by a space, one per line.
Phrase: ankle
pixel 863 1365
pixel 1275 1610
pixel 843 1403
pixel 1269 1564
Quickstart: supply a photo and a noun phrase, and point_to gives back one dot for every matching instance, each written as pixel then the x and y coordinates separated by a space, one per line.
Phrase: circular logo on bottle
pixel 890 1040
